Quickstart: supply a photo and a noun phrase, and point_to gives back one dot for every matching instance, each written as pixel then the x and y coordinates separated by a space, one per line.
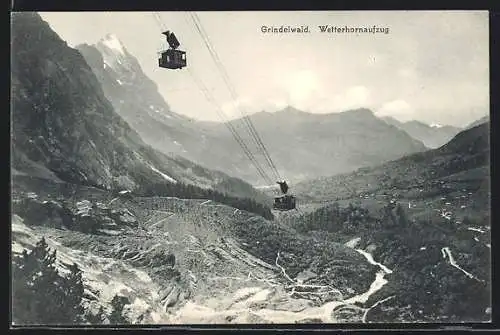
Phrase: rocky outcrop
pixel 83 215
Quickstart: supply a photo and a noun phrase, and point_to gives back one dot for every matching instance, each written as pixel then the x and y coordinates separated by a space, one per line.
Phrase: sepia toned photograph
pixel 250 167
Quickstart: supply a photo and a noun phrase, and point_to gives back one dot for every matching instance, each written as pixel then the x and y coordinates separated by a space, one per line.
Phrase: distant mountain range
pixel 342 142
pixel 433 136
pixel 306 145
pixel 302 145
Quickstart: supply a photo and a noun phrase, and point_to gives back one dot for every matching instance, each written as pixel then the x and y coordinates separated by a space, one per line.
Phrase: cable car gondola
pixel 284 202
pixel 172 58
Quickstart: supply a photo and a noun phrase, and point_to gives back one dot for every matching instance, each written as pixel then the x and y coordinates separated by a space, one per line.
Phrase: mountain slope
pixel 306 145
pixel 432 136
pixel 484 119
pixel 135 97
pixel 465 157
pixel 341 143
pixel 64 128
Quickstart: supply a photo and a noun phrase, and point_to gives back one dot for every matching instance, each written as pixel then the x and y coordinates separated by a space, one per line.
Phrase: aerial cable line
pixel 157 17
pixel 230 126
pixel 252 129
pixel 246 118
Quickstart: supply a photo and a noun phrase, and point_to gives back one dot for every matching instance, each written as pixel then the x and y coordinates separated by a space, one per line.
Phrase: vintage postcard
pixel 250 167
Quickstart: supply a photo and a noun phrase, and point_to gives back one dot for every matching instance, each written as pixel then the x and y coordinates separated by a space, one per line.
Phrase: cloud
pixel 274 105
pixel 234 109
pixel 301 87
pixel 398 109
pixel 407 73
pixel 422 61
pixel 354 97
pixel 315 99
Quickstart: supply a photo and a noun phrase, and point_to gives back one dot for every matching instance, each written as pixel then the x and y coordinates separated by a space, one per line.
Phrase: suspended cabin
pixel 285 202
pixel 172 58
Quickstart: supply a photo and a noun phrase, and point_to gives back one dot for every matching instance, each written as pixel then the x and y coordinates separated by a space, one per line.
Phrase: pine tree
pixel 42 296
pixel 116 317
pixel 96 319
pixel 402 218
pixel 73 293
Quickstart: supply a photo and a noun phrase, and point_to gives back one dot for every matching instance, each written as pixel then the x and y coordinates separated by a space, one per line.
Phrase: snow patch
pixel 352 243
pixel 112 42
pixel 476 229
pixel 436 125
pixel 110 232
pixel 119 81
pixel 170 179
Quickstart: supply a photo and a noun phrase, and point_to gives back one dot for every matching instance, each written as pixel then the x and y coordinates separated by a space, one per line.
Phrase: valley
pixel 201 262
pixel 296 138
pixel 166 216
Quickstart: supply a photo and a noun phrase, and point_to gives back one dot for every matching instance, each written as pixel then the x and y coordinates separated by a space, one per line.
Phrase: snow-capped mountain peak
pixel 115 55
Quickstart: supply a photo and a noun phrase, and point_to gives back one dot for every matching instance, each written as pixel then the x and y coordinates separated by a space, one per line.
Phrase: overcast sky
pixel 431 66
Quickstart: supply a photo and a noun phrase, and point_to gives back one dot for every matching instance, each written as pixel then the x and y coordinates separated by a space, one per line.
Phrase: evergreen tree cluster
pixel 42 296
pixel 334 218
pixel 354 219
pixel 188 191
